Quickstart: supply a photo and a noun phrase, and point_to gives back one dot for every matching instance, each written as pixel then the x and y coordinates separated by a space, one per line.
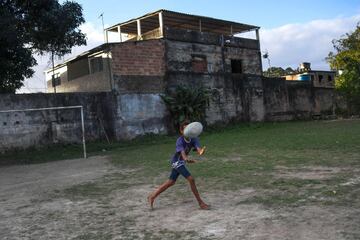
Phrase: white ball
pixel 193 130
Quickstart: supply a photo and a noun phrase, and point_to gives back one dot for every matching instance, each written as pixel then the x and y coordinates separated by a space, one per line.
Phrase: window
pixel 236 66
pixel 56 80
pixel 329 78
pixel 96 64
pixel 199 63
pixel 320 78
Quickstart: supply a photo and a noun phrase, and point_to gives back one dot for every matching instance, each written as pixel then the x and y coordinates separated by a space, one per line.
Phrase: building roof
pixel 310 71
pixel 173 19
pixel 92 51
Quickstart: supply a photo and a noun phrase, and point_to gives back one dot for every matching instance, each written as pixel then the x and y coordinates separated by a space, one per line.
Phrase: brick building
pixel 152 47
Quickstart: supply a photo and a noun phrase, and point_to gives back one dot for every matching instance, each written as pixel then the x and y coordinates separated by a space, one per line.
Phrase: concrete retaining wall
pixel 32 129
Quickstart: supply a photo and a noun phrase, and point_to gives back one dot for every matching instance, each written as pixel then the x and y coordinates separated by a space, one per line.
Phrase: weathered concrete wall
pixel 31 129
pixel 324 101
pixel 139 114
pixel 276 100
pixel 179 56
pixel 234 96
pixel 288 100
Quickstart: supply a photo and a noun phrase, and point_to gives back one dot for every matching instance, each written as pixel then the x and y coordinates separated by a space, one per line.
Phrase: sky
pixel 290 31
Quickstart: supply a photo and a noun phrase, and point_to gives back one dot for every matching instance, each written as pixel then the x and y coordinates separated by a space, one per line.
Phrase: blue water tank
pixel 304 77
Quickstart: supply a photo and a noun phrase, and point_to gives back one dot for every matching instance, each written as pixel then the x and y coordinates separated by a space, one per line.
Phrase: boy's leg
pixel 202 204
pixel 168 183
pixel 183 171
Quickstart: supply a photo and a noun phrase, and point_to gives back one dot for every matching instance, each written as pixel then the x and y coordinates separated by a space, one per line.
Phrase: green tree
pixel 186 103
pixel 15 58
pixel 43 26
pixel 56 29
pixel 277 72
pixel 347 59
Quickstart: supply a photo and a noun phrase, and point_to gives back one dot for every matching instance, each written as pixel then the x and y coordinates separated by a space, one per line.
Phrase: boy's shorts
pixel 180 170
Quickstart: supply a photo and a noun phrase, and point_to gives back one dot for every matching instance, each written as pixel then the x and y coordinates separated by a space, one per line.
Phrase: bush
pixel 187 103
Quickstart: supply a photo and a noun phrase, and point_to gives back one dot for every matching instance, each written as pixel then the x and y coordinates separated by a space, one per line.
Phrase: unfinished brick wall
pixel 138 70
pixel 144 58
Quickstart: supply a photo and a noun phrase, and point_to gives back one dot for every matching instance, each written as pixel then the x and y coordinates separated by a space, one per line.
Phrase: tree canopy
pixel 29 26
pixel 346 58
pixel 278 71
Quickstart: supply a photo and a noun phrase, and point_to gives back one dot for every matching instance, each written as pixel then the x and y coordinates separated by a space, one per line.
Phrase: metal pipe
pixel 83 130
pixel 119 31
pixel 161 24
pixel 39 109
pixel 138 24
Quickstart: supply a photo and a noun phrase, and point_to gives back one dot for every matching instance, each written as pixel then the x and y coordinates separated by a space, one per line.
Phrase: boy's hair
pixel 183 124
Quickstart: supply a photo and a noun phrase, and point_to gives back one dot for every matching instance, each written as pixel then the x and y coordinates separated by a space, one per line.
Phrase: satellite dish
pixel 266 54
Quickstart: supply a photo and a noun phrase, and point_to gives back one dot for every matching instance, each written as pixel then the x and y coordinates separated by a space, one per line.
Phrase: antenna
pixel 266 56
pixel 102 20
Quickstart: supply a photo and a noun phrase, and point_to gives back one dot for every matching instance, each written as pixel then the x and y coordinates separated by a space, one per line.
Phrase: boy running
pixel 183 148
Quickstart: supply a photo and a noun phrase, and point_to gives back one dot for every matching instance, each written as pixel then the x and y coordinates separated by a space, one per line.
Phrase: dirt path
pixel 90 199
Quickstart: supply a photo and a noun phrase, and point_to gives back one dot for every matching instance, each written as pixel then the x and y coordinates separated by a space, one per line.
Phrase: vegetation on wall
pixel 346 59
pixel 278 72
pixel 187 103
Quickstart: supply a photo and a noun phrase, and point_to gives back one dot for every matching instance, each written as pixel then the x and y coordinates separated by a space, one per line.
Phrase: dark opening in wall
pixel 312 77
pixel 320 78
pixel 236 66
pixel 329 78
pixel 199 63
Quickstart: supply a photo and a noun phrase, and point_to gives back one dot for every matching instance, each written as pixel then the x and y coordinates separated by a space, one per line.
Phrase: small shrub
pixel 187 103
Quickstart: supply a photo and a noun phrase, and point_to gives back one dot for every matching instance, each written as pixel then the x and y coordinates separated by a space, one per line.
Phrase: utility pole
pixel 53 71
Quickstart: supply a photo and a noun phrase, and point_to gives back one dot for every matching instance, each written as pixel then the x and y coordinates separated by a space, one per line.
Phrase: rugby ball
pixel 193 130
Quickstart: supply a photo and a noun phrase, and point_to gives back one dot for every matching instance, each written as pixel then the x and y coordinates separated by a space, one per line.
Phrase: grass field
pixel 254 156
pixel 292 180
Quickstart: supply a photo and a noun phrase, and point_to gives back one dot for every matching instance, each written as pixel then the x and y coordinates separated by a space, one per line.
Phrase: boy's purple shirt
pixel 182 145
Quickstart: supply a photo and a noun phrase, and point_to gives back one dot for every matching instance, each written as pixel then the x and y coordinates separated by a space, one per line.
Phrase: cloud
pixel 291 44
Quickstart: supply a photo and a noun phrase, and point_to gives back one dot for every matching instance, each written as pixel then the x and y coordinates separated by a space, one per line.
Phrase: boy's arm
pixel 186 159
pixel 200 150
pixel 184 156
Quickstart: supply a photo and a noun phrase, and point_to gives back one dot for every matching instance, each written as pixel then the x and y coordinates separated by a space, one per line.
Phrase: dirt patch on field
pixel 90 199
pixel 307 173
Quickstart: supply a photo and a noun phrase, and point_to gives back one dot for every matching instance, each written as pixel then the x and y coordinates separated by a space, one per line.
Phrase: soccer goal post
pixel 57 108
